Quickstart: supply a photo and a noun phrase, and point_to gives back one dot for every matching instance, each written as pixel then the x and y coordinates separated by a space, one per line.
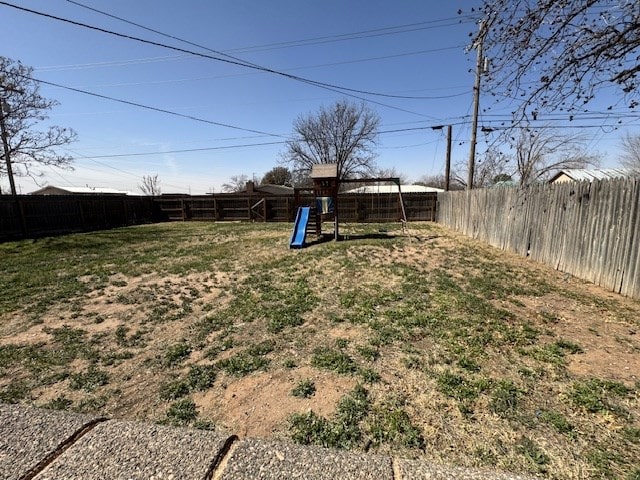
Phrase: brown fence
pixel 29 216
pixel 590 230
pixel 352 207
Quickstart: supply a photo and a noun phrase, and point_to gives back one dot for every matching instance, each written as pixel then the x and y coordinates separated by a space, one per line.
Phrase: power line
pixel 229 147
pixel 278 46
pixel 185 150
pixel 113 63
pixel 157 31
pixel 404 28
pixel 114 168
pixel 231 60
pixel 190 117
pixel 147 107
pixel 209 77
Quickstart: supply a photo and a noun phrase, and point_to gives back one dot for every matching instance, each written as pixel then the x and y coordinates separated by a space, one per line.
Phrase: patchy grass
pixel 332 359
pixel 304 389
pixel 243 363
pixel 342 430
pixel 466 355
pixel 89 380
pixel 176 354
pixel 598 396
pixel 182 412
pixel 198 379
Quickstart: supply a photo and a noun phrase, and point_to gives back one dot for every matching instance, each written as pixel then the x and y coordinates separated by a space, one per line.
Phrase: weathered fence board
pixel 383 207
pixel 590 230
pixel 29 216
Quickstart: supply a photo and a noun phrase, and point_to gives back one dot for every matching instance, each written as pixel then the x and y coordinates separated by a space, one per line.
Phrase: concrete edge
pixel 61 448
pixel 237 458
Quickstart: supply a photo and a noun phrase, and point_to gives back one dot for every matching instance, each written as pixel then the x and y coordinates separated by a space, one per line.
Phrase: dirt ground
pixel 132 322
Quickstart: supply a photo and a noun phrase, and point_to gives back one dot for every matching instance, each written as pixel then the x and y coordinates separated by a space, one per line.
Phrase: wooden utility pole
pixel 447 167
pixel 476 105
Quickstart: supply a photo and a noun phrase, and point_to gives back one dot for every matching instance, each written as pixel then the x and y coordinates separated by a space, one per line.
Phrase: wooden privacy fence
pixel 590 230
pixel 29 216
pixel 381 207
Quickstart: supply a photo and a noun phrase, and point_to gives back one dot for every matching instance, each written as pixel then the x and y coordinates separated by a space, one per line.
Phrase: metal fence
pixel 590 230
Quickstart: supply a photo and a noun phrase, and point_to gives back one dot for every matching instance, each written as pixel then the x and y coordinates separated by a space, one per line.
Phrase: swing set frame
pixel 326 185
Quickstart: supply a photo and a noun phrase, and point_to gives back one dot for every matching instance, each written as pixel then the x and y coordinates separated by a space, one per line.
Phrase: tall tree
pixel 630 157
pixel 344 133
pixel 150 185
pixel 278 176
pixel 27 148
pixel 557 55
pixel 539 153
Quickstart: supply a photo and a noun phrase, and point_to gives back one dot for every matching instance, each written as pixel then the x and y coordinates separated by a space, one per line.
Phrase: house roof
pixel 505 184
pixel 274 189
pixel 53 190
pixel 394 189
pixel 589 175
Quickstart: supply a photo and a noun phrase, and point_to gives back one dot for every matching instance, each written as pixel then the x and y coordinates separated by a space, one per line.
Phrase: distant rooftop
pixel 394 189
pixel 590 174
pixel 275 189
pixel 53 190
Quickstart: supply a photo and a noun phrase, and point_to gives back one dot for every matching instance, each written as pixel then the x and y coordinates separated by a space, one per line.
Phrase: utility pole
pixel 5 146
pixel 476 105
pixel 447 167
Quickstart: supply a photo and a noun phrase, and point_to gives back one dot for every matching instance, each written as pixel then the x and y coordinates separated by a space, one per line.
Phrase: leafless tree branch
pixel 344 133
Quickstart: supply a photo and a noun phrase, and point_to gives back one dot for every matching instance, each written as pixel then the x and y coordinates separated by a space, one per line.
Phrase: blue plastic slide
pixel 300 228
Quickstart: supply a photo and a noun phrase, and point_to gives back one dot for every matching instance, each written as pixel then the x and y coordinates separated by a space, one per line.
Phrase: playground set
pixel 326 186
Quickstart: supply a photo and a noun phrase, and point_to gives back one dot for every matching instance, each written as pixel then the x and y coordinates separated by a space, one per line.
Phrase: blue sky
pixel 408 48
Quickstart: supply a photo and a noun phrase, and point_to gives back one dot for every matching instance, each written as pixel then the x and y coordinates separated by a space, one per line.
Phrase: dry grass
pixel 429 345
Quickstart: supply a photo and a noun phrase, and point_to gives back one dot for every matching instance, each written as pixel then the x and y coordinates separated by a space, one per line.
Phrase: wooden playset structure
pixel 326 187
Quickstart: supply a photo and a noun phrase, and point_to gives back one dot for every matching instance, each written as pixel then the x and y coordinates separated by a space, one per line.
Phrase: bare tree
pixel 150 185
pixel 557 55
pixel 439 181
pixel 391 173
pixel 278 176
pixel 27 149
pixel 541 152
pixel 343 133
pixel 492 165
pixel 630 157
pixel 237 183
pixel 301 178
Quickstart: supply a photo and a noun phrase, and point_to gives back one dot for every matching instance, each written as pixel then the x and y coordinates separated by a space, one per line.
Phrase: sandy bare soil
pixel 468 355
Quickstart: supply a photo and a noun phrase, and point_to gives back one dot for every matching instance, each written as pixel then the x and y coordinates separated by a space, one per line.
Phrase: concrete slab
pixel 131 450
pixel 266 460
pixel 29 436
pixel 418 470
